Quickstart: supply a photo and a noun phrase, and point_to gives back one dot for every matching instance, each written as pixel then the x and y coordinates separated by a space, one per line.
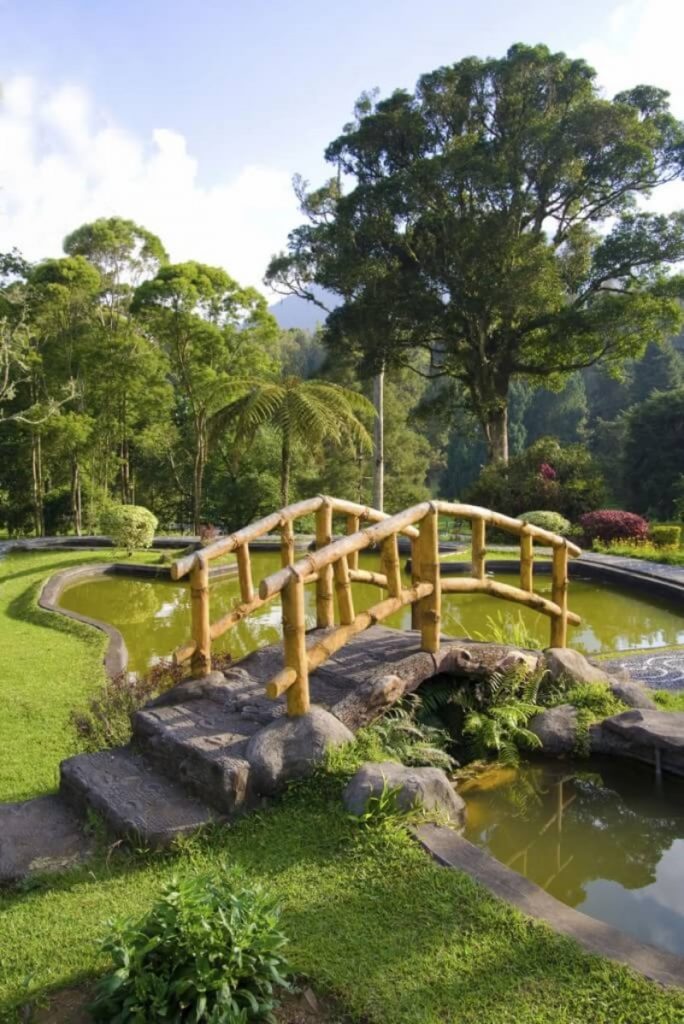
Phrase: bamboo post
pixel 325 611
pixel 201 627
pixel 286 543
pixel 294 643
pixel 430 606
pixel 526 561
pixel 479 550
pixel 345 599
pixel 353 523
pixel 390 565
pixel 415 578
pixel 245 573
pixel 559 595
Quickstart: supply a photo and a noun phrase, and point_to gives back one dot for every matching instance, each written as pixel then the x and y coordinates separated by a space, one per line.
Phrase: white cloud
pixel 63 163
pixel 643 45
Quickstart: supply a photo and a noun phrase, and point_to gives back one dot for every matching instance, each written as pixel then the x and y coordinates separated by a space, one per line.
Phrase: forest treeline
pixel 117 366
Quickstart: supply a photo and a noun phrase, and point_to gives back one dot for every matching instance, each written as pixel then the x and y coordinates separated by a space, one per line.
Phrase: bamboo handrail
pixel 334 566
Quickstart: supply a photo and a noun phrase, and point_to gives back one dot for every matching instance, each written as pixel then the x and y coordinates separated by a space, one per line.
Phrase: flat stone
pixel 663 729
pixel 426 788
pixel 40 835
pixel 132 798
pixel 201 745
pixel 557 730
pixel 290 748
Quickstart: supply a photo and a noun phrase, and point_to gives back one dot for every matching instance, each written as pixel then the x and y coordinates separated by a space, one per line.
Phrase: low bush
pixel 665 536
pixel 649 552
pixel 613 524
pixel 210 949
pixel 552 521
pixel 129 526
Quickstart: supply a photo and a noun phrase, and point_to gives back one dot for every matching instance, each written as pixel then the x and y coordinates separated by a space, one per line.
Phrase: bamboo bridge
pixel 334 566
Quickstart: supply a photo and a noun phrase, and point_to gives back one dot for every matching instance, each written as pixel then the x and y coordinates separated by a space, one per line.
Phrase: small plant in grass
pixel 382 810
pixel 665 536
pixel 210 949
pixel 129 526
pixel 506 628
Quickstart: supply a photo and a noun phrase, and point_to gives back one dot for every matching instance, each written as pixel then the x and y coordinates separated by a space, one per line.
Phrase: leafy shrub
pixel 612 524
pixel 129 526
pixel 649 552
pixel 547 475
pixel 106 721
pixel 665 536
pixel 411 741
pixel 552 521
pixel 209 950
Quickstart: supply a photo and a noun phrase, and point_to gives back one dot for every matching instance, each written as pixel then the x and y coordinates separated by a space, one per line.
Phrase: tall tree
pixel 491 221
pixel 302 412
pixel 211 330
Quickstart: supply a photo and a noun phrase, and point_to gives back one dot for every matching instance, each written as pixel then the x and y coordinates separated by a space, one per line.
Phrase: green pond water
pixel 607 839
pixel 154 615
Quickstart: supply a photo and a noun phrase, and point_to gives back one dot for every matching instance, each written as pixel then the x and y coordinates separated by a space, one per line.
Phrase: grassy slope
pixel 48 665
pixel 370 916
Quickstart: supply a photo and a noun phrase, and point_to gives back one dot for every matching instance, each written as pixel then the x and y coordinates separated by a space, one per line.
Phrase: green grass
pixel 370 918
pixel 48 665
pixel 397 939
pixel 669 701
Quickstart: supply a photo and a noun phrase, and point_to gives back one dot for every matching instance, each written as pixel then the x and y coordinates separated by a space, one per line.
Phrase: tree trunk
pixel 37 484
pixel 496 432
pixel 198 475
pixel 76 497
pixel 379 441
pixel 285 460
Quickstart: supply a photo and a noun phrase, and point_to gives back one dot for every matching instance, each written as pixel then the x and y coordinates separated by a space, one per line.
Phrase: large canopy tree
pixel 490 220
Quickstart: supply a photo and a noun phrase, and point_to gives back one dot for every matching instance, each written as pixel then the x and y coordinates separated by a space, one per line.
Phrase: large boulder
pixel 557 730
pixel 566 665
pixel 426 788
pixel 639 734
pixel 290 748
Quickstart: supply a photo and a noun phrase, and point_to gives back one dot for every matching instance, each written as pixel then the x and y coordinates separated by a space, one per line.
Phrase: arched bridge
pixel 334 566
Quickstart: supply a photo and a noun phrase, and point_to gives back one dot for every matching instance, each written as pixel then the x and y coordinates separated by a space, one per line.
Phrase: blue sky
pixel 192 118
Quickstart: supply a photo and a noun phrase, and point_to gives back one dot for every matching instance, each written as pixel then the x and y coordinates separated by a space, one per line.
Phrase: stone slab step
pixel 40 835
pixel 202 746
pixel 134 800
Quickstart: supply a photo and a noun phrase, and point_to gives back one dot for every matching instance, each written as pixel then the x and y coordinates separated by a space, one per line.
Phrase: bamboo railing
pixel 334 566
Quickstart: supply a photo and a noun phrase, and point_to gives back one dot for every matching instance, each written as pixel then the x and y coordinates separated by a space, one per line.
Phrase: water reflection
pixel 609 841
pixel 154 617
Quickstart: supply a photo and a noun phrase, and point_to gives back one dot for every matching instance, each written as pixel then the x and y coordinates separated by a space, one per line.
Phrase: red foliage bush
pixel 613 524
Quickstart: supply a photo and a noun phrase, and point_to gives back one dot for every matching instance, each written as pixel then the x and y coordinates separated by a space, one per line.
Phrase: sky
pixel 191 118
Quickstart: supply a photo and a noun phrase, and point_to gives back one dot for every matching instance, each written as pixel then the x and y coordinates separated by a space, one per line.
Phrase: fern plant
pixel 413 741
pixel 496 715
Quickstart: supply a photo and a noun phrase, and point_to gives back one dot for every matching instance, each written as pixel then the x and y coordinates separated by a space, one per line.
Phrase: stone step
pixel 134 800
pixel 201 745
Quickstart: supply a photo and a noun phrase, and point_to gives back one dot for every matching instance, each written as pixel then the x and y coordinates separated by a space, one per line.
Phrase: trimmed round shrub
pixel 210 949
pixel 610 524
pixel 552 521
pixel 129 526
pixel 665 536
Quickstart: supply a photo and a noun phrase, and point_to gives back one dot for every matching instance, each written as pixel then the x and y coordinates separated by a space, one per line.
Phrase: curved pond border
pixel 451 850
pixel 663 580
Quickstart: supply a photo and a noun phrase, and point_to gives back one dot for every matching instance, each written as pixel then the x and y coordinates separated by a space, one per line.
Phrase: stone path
pixel 659 671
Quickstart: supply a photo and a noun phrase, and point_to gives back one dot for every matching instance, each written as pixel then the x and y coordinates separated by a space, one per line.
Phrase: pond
pixel 605 838
pixel 154 616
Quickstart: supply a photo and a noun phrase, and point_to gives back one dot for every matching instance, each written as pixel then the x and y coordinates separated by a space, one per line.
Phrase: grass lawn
pixel 371 918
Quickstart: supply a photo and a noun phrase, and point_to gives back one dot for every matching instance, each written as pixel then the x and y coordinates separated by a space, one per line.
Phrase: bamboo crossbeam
pixel 514 526
pixel 235 615
pixel 245 573
pixel 373 515
pixel 280 683
pixel 459 585
pixel 325 612
pixel 365 538
pixel 378 579
pixel 259 528
pixel 184 653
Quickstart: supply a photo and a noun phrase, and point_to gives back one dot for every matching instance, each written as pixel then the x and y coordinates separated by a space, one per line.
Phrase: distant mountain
pixel 296 312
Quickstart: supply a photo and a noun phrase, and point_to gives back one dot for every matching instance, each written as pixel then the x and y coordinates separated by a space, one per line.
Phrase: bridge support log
pixel 430 606
pixel 201 626
pixel 294 643
pixel 526 561
pixel 325 610
pixel 479 549
pixel 559 596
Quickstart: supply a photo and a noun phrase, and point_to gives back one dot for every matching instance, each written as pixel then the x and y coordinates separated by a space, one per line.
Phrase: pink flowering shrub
pixel 547 472
pixel 610 524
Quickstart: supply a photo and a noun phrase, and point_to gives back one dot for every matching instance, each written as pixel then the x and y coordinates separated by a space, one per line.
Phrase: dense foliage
pixel 209 950
pixel 611 524
pixel 552 521
pixel 129 526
